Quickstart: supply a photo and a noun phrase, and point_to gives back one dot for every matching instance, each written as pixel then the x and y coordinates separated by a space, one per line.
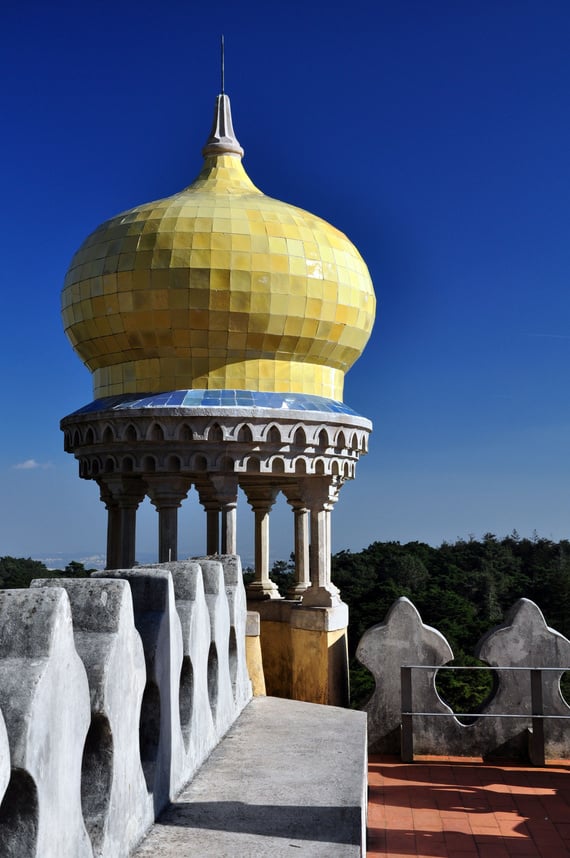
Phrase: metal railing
pixel 536 715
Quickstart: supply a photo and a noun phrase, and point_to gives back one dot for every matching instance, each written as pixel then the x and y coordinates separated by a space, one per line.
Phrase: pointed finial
pixel 222 139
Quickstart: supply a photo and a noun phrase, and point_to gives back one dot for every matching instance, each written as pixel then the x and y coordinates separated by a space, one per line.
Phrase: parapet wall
pixel 113 691
pixel 522 641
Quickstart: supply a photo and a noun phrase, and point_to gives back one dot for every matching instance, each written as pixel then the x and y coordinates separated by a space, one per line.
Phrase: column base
pixel 258 591
pixel 297 591
pixel 327 596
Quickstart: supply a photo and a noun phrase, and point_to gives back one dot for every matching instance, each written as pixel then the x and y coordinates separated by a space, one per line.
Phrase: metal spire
pixel 222 139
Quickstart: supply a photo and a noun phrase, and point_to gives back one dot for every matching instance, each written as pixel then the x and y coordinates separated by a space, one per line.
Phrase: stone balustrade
pixel 113 691
pixel 523 640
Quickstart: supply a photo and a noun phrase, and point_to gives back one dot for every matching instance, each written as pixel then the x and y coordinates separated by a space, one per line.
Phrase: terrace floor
pixel 453 807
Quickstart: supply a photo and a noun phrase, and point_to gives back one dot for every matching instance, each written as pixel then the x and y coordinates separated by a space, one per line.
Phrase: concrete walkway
pixel 461 808
pixel 288 779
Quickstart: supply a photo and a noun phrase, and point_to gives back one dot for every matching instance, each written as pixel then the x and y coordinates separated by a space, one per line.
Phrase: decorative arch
pixel 108 435
pixel 185 433
pixel 252 465
pixel 174 464
pixel 149 464
pixel 323 441
pixel 215 433
pixel 226 463
pixel 127 465
pixel 155 432
pixel 277 465
pixel 300 466
pixel 245 435
pixel 300 437
pixel 90 435
pixel 273 435
pixel 199 463
pixel 131 433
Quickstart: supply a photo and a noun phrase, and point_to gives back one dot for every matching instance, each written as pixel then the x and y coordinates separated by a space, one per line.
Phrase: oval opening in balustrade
pixel 466 691
pixel 19 816
pixel 149 732
pixel 565 687
pixel 96 778
pixel 213 678
pixel 233 658
pixel 186 698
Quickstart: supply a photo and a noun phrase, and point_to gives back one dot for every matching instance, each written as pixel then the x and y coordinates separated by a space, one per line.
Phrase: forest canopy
pixel 18 572
pixel 462 589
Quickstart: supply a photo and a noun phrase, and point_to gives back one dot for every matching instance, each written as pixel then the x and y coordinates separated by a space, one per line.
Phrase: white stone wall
pixel 113 691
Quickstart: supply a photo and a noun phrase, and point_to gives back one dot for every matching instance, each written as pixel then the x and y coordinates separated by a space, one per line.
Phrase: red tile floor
pixel 462 808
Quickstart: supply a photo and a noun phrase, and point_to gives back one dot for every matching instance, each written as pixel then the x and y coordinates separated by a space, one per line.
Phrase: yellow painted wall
pixel 255 665
pixel 320 666
pixel 277 659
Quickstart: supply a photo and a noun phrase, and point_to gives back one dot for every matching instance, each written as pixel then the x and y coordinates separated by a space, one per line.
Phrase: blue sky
pixel 435 134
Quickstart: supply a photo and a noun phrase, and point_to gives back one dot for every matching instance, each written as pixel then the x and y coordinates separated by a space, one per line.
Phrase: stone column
pixel 122 496
pixel 166 493
pixel 301 515
pixel 320 493
pixel 226 489
pixel 212 529
pixel 209 501
pixel 113 528
pixel 261 498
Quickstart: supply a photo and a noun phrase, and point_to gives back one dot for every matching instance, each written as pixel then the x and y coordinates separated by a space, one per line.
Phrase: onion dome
pixel 218 287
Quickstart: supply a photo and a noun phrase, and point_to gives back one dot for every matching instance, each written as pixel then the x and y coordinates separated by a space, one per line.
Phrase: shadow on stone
pixel 321 824
pixel 19 817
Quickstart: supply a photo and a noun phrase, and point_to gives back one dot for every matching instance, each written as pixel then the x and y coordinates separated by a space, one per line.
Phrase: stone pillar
pixel 212 529
pixel 113 528
pixel 320 494
pixel 122 496
pixel 226 488
pixel 212 507
pixel 166 493
pixel 261 498
pixel 301 514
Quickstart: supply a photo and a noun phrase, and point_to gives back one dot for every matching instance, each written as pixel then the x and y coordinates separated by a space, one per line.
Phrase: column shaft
pixel 212 531
pixel 229 529
pixel 167 534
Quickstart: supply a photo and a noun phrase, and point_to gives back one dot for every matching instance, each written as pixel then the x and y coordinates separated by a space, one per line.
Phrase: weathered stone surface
pixel 44 697
pixel 402 639
pixel 524 640
pixel 220 690
pixel 237 604
pixel 305 790
pixel 117 807
pixel 157 621
pixel 195 713
pixel 4 758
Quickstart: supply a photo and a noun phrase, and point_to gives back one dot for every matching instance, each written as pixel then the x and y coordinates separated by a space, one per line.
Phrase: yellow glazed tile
pixel 209 276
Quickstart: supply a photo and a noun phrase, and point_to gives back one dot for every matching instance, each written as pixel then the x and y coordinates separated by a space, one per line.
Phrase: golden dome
pixel 218 287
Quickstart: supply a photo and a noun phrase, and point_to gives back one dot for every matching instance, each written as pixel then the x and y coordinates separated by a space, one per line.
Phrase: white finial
pixel 222 139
